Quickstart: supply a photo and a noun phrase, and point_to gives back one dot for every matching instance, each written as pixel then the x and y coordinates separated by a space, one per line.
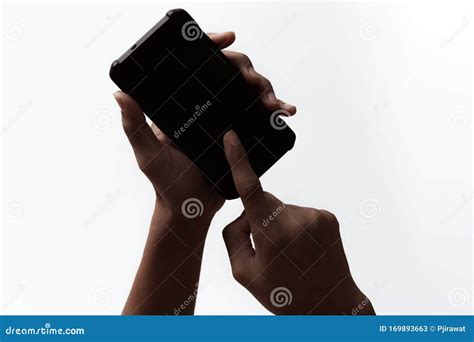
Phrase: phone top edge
pixel 147 35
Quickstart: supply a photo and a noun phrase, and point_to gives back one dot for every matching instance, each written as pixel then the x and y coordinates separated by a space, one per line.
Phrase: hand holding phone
pixel 175 178
pixel 195 93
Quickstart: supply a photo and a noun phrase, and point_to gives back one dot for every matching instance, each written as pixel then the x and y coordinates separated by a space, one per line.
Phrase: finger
pixel 160 135
pixel 262 85
pixel 246 181
pixel 147 148
pixel 239 247
pixel 222 39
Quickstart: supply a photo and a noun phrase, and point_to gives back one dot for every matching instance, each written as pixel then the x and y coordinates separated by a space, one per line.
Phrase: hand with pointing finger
pixel 170 267
pixel 297 265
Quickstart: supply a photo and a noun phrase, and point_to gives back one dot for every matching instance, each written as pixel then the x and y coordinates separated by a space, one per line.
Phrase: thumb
pixel 239 247
pixel 147 148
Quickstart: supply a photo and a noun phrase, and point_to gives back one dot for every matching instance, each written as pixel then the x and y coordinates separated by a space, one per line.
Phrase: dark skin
pixel 297 252
pixel 167 279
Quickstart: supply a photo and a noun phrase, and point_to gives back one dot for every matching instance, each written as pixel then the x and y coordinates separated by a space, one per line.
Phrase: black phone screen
pixel 194 94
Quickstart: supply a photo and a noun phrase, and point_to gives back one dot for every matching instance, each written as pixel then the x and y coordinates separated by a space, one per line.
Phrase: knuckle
pixel 244 59
pixel 328 220
pixel 239 273
pixel 248 188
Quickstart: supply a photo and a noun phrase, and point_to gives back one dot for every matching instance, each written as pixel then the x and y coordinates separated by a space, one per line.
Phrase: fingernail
pixel 233 138
pixel 288 107
pixel 119 99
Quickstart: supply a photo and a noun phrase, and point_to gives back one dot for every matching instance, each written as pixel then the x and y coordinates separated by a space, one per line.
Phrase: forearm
pixel 166 282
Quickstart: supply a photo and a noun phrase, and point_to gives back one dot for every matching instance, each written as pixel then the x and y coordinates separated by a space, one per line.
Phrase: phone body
pixel 193 93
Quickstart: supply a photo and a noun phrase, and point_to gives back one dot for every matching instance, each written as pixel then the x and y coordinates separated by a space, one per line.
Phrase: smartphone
pixel 193 93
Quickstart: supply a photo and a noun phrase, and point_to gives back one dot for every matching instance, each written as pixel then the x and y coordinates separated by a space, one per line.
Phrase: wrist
pixel 348 299
pixel 191 230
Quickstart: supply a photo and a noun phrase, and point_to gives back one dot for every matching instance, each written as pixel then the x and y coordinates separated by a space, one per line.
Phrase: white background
pixel 383 128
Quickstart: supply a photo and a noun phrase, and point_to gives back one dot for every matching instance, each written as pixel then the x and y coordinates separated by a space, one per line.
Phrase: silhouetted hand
pixel 296 264
pixel 175 178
